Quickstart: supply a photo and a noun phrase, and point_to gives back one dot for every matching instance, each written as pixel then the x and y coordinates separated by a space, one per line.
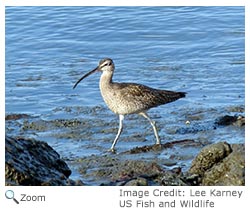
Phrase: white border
pixel 106 199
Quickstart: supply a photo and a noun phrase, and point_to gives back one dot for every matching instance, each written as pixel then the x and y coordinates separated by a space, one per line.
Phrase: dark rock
pixel 216 164
pixel 32 162
pixel 139 181
pixel 134 168
pixel 171 179
pixel 229 172
pixel 226 120
pixel 230 120
pixel 192 180
pixel 115 170
pixel 240 121
pixel 236 109
pixel 156 147
pixel 219 164
pixel 209 156
pixel 16 116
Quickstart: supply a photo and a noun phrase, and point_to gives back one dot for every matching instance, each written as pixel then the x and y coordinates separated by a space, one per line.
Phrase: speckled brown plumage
pixel 150 97
pixel 129 98
pixel 135 98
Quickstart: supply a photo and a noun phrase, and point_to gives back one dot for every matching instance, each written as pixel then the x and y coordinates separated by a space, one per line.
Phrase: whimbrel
pixel 129 98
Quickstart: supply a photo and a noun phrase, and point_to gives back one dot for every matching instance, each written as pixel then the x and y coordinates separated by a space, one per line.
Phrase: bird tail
pixel 182 94
pixel 171 96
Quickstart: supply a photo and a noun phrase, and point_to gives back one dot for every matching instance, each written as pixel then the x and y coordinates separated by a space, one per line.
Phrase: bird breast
pixel 114 100
pixel 119 98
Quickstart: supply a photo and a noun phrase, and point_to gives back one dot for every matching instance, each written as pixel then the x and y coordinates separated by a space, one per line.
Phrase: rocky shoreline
pixel 29 162
pixel 32 162
pixel 198 156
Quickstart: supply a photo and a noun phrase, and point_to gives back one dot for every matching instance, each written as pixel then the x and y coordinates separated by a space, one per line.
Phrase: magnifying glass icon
pixel 9 194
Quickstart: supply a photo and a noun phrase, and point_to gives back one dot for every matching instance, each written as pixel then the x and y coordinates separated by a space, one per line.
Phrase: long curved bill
pixel 85 75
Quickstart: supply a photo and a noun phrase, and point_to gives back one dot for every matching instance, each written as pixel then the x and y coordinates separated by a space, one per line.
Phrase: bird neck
pixel 106 79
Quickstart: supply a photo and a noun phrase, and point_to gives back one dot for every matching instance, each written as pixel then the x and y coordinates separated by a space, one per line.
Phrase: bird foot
pixel 157 145
pixel 112 150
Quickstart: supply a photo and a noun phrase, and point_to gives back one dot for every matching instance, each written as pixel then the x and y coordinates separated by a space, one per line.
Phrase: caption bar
pixel 174 198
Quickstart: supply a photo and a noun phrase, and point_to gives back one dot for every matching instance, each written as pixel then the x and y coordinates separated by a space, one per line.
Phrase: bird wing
pixel 146 96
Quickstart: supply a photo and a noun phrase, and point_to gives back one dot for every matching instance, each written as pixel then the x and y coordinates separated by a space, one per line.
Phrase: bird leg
pixel 121 118
pixel 144 114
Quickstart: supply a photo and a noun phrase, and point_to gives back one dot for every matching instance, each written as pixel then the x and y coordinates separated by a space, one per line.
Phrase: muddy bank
pixel 82 135
pixel 31 162
pixel 94 128
pixel 217 164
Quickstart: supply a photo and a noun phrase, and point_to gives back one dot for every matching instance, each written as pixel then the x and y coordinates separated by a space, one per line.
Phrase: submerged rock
pixel 32 162
pixel 230 120
pixel 16 116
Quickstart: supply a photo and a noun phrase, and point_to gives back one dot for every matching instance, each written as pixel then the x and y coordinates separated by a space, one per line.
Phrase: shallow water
pixel 199 50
